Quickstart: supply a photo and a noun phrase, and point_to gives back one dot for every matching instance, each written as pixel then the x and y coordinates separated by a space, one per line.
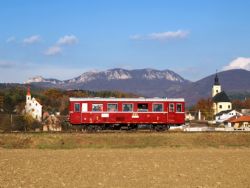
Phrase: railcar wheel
pixel 151 127
pixel 159 128
pixel 167 127
pixel 90 128
pixel 93 128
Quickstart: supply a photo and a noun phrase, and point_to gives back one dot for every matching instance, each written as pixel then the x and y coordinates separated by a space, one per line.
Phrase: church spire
pixel 216 79
pixel 28 91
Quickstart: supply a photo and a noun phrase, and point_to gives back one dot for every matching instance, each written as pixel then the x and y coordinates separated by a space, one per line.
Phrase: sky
pixel 63 38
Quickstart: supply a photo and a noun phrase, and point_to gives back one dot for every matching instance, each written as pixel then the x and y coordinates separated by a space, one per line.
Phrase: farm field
pixel 125 160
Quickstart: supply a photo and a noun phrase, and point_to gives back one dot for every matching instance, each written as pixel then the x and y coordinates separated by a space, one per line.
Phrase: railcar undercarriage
pixel 128 127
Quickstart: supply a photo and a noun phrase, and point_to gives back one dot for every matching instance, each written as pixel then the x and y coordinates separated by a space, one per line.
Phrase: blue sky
pixel 62 38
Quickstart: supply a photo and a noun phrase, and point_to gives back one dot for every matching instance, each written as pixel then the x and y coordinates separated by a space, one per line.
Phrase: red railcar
pixel 158 113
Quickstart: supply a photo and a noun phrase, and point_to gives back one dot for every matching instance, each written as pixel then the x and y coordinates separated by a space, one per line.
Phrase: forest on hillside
pixel 13 98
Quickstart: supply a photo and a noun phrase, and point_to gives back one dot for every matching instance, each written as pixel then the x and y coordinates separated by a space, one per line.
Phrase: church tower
pixel 28 95
pixel 33 107
pixel 216 87
pixel 221 102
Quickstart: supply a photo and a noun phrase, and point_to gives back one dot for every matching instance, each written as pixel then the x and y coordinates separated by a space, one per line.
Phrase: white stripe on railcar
pixel 74 99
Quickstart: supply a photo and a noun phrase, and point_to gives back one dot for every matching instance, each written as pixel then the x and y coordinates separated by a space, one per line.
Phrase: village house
pixel 51 123
pixel 227 122
pixel 189 116
pixel 224 115
pixel 33 107
pixel 245 112
pixel 242 123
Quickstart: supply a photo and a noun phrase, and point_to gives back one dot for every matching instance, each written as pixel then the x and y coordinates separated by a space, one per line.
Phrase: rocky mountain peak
pixel 35 79
pixel 40 79
pixel 115 75
pixel 151 74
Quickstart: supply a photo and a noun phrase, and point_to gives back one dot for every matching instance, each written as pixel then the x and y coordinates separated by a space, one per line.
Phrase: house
pixel 242 122
pixel 245 111
pixel 227 122
pixel 221 102
pixel 189 116
pixel 52 123
pixel 225 115
pixel 33 107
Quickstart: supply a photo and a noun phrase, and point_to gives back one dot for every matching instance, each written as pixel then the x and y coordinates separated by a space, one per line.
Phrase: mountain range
pixel 150 83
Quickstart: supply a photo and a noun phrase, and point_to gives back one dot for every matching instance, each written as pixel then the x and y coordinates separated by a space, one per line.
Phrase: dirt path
pixel 149 167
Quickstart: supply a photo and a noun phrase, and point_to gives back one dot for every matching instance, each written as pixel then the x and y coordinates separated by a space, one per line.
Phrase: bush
pixel 25 123
pixel 5 122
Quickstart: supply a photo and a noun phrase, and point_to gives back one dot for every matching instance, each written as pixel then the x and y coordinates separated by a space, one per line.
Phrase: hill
pixel 145 82
pixel 152 83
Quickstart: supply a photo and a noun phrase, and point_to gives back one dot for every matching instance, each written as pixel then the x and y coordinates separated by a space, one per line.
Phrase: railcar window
pixel 77 107
pixel 127 107
pixel 179 108
pixel 97 107
pixel 157 107
pixel 112 107
pixel 171 107
pixel 142 107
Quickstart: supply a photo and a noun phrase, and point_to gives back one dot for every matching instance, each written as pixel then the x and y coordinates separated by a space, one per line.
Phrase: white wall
pixel 33 108
pixel 222 106
pixel 215 90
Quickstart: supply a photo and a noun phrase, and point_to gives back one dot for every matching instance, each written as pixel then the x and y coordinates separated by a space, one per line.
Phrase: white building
pixel 225 115
pixel 189 116
pixel 221 102
pixel 33 107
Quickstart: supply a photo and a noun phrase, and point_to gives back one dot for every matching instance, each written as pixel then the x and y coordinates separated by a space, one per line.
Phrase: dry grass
pixel 124 140
pixel 147 167
pixel 125 160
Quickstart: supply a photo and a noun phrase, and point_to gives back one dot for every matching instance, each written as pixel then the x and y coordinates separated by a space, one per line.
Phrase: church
pixel 221 102
pixel 33 107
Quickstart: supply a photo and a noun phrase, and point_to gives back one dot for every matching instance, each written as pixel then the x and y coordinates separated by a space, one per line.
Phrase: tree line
pixel 205 106
pixel 53 100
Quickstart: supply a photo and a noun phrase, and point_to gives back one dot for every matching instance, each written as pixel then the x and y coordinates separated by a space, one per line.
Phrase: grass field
pixel 124 140
pixel 125 160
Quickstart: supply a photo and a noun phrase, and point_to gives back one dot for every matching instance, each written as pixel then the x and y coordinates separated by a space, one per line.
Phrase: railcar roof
pixel 141 99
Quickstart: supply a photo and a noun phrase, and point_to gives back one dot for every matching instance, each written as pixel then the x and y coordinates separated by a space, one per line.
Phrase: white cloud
pixel 11 39
pixel 169 35
pixel 136 37
pixel 58 47
pixel 162 36
pixel 53 50
pixel 67 40
pixel 238 63
pixel 32 39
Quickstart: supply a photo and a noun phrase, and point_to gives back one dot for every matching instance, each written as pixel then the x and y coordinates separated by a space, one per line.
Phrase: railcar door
pixel 76 116
pixel 84 112
pixel 171 113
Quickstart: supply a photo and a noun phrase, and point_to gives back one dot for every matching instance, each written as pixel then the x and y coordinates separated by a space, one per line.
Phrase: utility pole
pixel 11 120
pixel 199 115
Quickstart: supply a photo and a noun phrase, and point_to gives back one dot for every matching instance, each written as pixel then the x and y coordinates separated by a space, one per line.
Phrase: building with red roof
pixel 241 122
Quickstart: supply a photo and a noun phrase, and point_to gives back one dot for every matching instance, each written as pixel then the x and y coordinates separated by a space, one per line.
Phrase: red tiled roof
pixel 231 119
pixel 241 119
